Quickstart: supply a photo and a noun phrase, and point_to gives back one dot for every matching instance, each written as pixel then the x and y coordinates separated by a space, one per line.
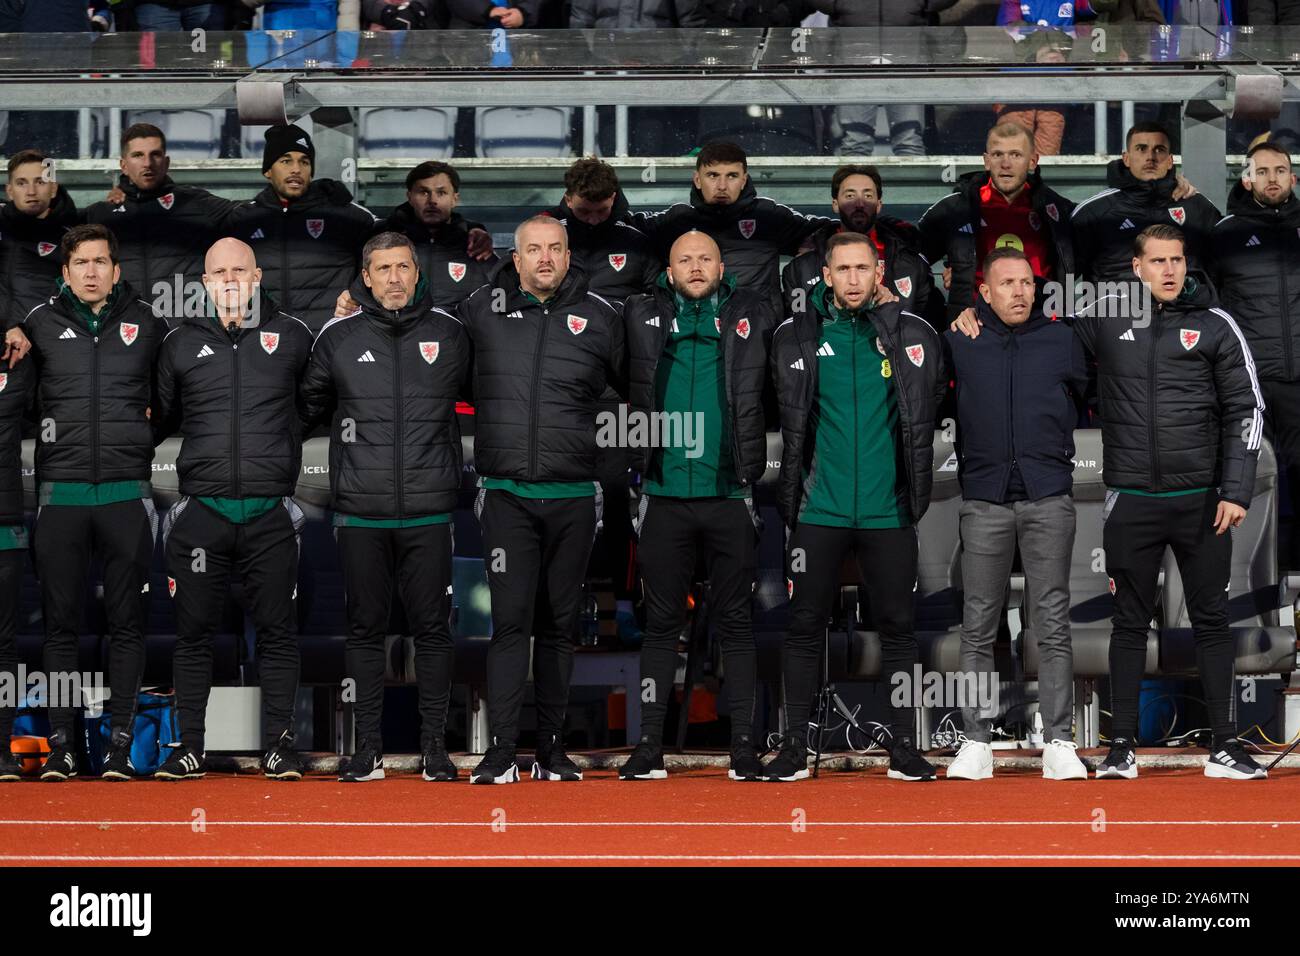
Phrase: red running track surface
pixel 1166 817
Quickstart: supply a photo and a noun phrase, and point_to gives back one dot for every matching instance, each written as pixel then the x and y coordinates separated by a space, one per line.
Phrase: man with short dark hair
pixel 856 193
pixel 1256 268
pixel 544 349
pixel 32 224
pixel 1019 385
pixel 858 385
pixel 387 378
pixel 1007 204
pixel 752 231
pixel 95 346
pixel 455 256
pixel 163 228
pixel 618 258
pixel 306 230
pixel 237 410
pixel 1143 190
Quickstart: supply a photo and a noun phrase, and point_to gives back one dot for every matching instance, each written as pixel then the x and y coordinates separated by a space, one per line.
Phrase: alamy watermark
pixel 59 689
pixel 628 428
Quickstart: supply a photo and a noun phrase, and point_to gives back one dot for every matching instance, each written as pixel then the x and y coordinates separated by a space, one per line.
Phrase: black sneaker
pixel 60 765
pixel 282 762
pixel 745 764
pixel 185 763
pixel 646 762
pixel 497 766
pixel 365 765
pixel 437 765
pixel 906 762
pixel 1121 763
pixel 552 763
pixel 118 766
pixel 790 763
pixel 10 769
pixel 1230 761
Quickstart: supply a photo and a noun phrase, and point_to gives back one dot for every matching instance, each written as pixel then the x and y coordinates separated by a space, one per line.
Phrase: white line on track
pixel 649 823
pixel 653 858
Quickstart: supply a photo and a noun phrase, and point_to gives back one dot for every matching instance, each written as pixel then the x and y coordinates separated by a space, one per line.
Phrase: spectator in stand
pixel 635 14
pixel 159 15
pixel 856 124
pixel 403 14
pixel 510 14
pixel 305 14
pixel 1045 122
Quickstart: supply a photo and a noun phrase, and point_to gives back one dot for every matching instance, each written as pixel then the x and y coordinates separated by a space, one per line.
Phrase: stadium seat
pixel 394 133
pixel 191 134
pixel 509 131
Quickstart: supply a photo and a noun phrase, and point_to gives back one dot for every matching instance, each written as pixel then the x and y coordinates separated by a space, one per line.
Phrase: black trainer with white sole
pixel 645 763
pixel 117 765
pixel 365 765
pixel 745 764
pixel 10 769
pixel 499 765
pixel 184 763
pixel 1120 763
pixel 790 763
pixel 906 762
pixel 282 762
pixel 60 765
pixel 552 763
pixel 1231 761
pixel 437 766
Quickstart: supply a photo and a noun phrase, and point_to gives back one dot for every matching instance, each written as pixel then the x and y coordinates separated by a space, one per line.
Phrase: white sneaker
pixel 974 761
pixel 1060 762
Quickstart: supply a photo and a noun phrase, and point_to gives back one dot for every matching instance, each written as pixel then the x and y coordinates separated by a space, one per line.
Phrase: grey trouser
pixel 857 127
pixel 1045 531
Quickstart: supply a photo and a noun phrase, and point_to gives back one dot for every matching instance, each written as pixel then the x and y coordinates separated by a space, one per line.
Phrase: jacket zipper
pixel 94 407
pixel 695 363
pixel 399 427
pixel 286 287
pixel 1011 411
pixel 853 365
pixel 1285 309
pixel 536 392
pixel 234 417
pixel 1151 404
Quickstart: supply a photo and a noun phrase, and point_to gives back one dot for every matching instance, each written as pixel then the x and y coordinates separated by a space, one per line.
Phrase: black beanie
pixel 286 139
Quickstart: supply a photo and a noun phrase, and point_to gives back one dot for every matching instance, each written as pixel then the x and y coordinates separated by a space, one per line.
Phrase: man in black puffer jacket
pixel 162 227
pixel 388 377
pixel 618 259
pixel 1182 423
pixel 1256 268
pixel 17 387
pixel 752 231
pixel 1143 190
pixel 236 409
pixel 32 224
pixel 95 346
pixel 544 349
pixel 307 233
pixel 697 366
pixel 858 386
pixel 856 198
pixel 455 255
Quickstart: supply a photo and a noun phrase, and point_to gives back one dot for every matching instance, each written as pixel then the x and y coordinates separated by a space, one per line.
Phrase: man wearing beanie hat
pixel 307 233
